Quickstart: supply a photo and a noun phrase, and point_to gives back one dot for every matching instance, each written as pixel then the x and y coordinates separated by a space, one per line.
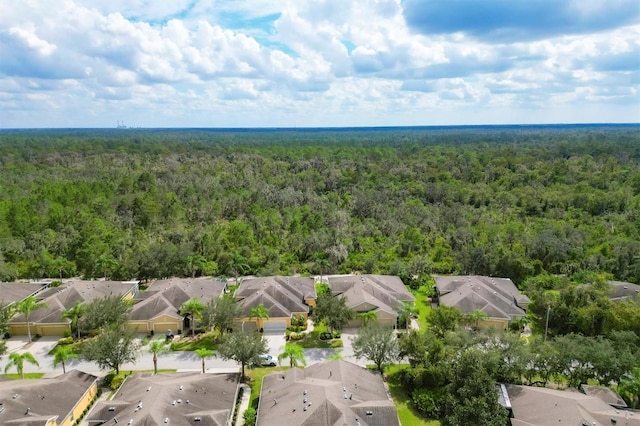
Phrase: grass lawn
pixel 409 416
pixel 312 339
pixel 423 306
pixel 26 376
pixel 255 376
pixel 189 343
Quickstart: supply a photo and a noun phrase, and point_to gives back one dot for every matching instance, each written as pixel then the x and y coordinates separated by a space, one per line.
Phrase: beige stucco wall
pixel 497 323
pixel 55 329
pixel 83 403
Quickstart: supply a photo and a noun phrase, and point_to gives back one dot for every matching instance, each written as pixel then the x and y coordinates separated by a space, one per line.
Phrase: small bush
pixel 117 381
pixel 106 381
pixel 336 344
pixel 66 340
pixel 249 416
pixel 67 333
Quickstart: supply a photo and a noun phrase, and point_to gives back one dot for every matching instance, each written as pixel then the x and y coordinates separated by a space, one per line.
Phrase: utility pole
pixel 546 328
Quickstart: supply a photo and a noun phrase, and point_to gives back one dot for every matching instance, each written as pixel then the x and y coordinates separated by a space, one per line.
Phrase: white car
pixel 267 361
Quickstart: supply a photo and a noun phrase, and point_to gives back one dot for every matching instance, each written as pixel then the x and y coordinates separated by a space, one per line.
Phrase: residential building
pixel 58 401
pixel 327 394
pixel 48 321
pixel 536 406
pixel 15 292
pixel 382 294
pixel 283 297
pixel 188 398
pixel 157 309
pixel 499 298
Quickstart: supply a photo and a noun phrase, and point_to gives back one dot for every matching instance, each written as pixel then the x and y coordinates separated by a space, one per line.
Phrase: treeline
pixel 512 202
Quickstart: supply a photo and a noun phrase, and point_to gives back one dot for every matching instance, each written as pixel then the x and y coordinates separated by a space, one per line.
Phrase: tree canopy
pixel 504 201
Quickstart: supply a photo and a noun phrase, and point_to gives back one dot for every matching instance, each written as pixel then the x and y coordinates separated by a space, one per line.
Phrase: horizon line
pixel 364 127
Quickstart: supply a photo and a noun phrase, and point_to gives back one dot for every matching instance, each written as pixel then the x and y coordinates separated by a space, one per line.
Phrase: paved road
pixel 182 361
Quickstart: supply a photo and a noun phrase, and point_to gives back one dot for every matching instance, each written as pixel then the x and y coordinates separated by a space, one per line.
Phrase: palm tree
pixel 295 353
pixel 476 316
pixel 26 307
pixel 157 347
pixel 194 308
pixel 405 312
pixel 204 353
pixel 237 263
pixel 195 262
pixel 260 313
pixel 323 263
pixel 17 360
pixel 367 317
pixel 61 355
pixel 74 313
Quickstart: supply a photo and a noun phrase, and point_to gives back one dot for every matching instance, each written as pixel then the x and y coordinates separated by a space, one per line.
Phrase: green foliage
pixel 62 354
pixel 220 313
pixel 245 348
pixel 471 397
pixel 202 341
pixel 408 201
pixel 26 307
pixel 17 360
pixel 295 354
pixel 250 416
pixel 443 319
pixel 104 312
pixel 74 314
pixel 332 311
pixel 111 348
pixel 194 308
pixel 378 344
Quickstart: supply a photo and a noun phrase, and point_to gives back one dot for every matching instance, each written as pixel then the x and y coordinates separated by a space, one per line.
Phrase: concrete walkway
pixel 244 404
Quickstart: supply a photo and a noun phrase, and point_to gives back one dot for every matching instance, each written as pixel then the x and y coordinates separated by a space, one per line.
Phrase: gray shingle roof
pixel 166 296
pixel 43 397
pixel 179 397
pixel 64 297
pixel 282 296
pixel 498 297
pixel 371 292
pixel 334 393
pixel 15 292
pixel 543 406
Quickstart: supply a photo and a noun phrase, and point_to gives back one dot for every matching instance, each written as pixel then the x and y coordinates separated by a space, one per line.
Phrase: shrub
pixel 429 401
pixel 66 340
pixel 336 344
pixel 106 381
pixel 67 333
pixel 249 416
pixel 296 336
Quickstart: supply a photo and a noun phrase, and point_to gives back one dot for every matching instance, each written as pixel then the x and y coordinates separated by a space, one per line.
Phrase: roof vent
pixel 180 387
pixel 130 422
pixel 16 396
pixel 197 419
pixel 149 388
pixel 112 408
pixel 166 419
pixel 173 402
pixel 369 413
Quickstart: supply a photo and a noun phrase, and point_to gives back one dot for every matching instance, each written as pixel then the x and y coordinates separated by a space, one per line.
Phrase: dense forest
pixel 515 202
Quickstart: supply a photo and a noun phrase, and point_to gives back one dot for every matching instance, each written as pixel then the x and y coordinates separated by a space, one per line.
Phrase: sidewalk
pixel 244 404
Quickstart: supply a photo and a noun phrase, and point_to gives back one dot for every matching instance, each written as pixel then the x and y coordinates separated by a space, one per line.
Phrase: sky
pixel 317 63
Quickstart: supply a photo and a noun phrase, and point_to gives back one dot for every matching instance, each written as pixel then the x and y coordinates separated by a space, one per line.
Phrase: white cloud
pixel 313 62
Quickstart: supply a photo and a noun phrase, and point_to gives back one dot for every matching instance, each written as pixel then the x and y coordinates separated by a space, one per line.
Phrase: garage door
pixel 273 325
